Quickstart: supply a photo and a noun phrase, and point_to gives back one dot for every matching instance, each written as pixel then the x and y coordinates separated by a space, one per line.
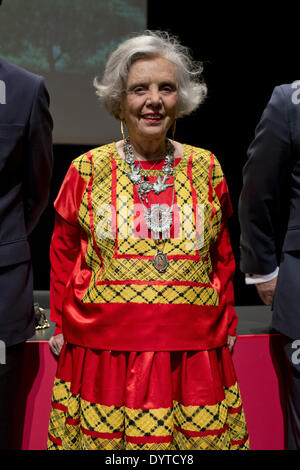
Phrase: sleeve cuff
pixel 58 330
pixel 259 278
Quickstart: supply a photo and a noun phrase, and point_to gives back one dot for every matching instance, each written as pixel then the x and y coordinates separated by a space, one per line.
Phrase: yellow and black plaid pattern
pixel 209 422
pixel 236 419
pixel 122 257
pixel 84 425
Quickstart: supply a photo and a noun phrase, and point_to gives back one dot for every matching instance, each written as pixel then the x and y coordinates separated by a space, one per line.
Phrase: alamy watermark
pixel 187 223
pixel 296 354
pixel 2 92
pixel 296 93
pixel 2 352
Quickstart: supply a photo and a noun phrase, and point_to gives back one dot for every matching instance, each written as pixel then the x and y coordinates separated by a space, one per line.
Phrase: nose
pixel 154 97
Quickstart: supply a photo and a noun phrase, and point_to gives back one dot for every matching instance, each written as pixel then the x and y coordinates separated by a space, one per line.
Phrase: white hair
pixel 191 88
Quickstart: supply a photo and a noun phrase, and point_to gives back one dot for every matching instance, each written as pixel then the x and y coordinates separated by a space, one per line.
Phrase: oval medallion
pixel 160 262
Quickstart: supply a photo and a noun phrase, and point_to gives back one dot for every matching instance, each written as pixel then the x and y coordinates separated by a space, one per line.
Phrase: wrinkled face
pixel 149 104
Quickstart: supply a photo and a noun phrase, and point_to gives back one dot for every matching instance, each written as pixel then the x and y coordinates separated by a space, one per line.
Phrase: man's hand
pixel 56 343
pixel 266 290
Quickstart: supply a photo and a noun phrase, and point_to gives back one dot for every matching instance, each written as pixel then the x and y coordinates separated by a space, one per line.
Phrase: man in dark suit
pixel 26 162
pixel 270 206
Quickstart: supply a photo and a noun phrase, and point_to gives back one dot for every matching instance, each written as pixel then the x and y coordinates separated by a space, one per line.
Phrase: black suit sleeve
pixel 39 158
pixel 265 179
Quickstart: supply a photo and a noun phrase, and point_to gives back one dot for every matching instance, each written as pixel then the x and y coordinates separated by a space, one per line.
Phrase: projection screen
pixel 68 42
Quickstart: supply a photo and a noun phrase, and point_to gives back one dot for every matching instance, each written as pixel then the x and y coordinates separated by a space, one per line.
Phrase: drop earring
pixel 123 129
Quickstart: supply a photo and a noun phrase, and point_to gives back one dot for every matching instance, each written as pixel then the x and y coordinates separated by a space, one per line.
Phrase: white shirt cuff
pixel 259 278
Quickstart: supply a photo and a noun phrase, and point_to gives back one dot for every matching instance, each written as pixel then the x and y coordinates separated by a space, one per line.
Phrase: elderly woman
pixel 141 280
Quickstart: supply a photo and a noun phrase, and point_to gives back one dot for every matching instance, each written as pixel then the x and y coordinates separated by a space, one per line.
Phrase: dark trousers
pixel 9 384
pixel 291 374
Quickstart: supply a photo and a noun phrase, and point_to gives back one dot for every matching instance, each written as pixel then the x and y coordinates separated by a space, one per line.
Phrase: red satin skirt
pixel 106 400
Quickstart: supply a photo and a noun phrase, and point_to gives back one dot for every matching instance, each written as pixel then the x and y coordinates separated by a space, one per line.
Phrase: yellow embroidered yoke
pixel 115 297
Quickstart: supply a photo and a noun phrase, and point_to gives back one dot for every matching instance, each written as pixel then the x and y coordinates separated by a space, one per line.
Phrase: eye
pixel 137 90
pixel 168 89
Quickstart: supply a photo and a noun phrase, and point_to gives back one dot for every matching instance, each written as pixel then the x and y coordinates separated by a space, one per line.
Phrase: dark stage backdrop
pixel 245 52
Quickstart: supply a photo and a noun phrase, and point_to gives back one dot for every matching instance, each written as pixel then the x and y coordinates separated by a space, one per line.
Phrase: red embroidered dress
pixel 145 364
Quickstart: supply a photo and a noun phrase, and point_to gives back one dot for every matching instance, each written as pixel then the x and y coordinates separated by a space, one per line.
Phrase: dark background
pixel 246 51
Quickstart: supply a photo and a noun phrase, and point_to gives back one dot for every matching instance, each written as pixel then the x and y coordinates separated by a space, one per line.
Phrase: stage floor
pixel 253 320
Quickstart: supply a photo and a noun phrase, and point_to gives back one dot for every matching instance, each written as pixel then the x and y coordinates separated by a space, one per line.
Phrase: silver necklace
pixel 139 179
pixel 159 217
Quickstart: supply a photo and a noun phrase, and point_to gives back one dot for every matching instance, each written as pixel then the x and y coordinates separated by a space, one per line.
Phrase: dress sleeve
pixel 65 241
pixel 223 260
pixel 70 195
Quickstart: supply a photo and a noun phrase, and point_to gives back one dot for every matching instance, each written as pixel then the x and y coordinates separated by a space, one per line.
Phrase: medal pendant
pixel 159 220
pixel 160 262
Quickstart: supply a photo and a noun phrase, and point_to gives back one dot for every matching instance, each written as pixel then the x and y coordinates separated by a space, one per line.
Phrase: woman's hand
pixel 56 343
pixel 230 342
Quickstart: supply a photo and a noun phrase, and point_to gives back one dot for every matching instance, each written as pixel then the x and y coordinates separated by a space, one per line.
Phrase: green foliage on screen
pixel 74 36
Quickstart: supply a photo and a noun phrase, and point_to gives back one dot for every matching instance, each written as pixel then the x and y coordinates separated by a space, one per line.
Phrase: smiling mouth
pixel 153 117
